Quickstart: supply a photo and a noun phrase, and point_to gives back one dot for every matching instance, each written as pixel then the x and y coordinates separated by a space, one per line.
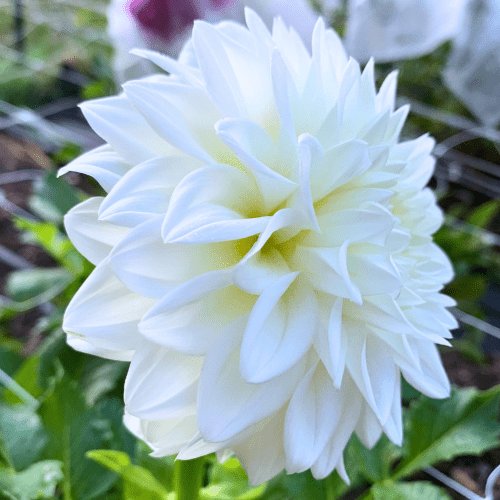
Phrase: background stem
pixel 189 478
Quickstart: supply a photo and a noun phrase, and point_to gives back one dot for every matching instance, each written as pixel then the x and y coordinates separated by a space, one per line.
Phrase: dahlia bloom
pixel 264 253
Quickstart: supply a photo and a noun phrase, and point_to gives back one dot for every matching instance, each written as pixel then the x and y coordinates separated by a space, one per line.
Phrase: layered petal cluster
pixel 264 253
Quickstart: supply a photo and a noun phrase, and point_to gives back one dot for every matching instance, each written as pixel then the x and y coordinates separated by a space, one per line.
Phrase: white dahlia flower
pixel 264 254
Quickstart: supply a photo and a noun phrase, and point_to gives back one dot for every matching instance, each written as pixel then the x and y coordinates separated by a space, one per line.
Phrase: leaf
pixel 483 215
pixel 100 377
pixel 138 483
pixel 464 424
pixel 48 236
pixel 161 468
pixel 303 485
pixel 467 288
pixel 419 490
pixel 75 429
pixel 27 284
pixel 27 377
pixel 228 481
pixel 38 481
pixel 112 410
pixel 52 198
pixel 372 465
pixel 23 434
pixel 10 360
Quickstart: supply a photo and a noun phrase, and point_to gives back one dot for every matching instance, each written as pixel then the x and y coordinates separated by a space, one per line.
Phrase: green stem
pixel 189 478
pixel 329 488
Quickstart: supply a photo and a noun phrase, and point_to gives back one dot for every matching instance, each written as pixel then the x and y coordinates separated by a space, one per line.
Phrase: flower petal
pixel 145 190
pixel 175 397
pixel 226 403
pixel 153 268
pixel 279 331
pixel 103 164
pixel 93 238
pixel 124 129
pixel 105 313
pixel 191 316
pixel 312 415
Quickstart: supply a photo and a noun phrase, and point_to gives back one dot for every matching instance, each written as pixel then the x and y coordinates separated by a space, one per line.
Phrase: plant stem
pixel 189 478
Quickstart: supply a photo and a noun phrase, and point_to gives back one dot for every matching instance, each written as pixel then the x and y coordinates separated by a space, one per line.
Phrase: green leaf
pixel 467 288
pixel 483 215
pixel 228 481
pixel 100 377
pixel 48 236
pixel 138 483
pixel 27 377
pixel 10 361
pixel 27 284
pixel 161 468
pixel 23 434
pixel 38 481
pixel 464 424
pixel 303 485
pixel 52 198
pixel 372 465
pixel 75 429
pixel 419 490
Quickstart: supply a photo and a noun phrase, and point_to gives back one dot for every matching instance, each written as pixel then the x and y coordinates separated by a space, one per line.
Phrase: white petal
pixel 331 347
pixel 431 379
pixel 93 238
pixel 341 164
pixel 80 345
pixel 164 118
pixel 126 131
pixel 145 190
pixel 226 403
pixel 190 317
pixel 372 367
pixel 374 274
pixel 153 268
pixel 279 329
pixel 260 271
pixel 105 313
pixel 171 65
pixel 262 454
pixel 326 268
pixel 273 187
pixel 168 437
pixel 373 224
pixel 217 71
pixel 103 164
pixel 211 205
pixel 313 413
pixel 161 383
pixel 368 428
pixel 332 453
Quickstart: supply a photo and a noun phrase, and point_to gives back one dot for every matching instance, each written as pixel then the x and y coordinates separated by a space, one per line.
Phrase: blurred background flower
pixel 165 25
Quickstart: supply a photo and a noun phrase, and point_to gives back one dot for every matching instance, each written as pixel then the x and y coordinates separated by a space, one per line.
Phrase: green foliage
pixel 138 483
pixel 36 482
pixel 23 435
pixel 228 481
pixel 436 430
pixel 418 490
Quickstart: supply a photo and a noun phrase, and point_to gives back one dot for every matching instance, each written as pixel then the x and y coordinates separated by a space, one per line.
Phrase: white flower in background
pixel 264 252
pixel 399 29
pixel 473 69
pixel 165 25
